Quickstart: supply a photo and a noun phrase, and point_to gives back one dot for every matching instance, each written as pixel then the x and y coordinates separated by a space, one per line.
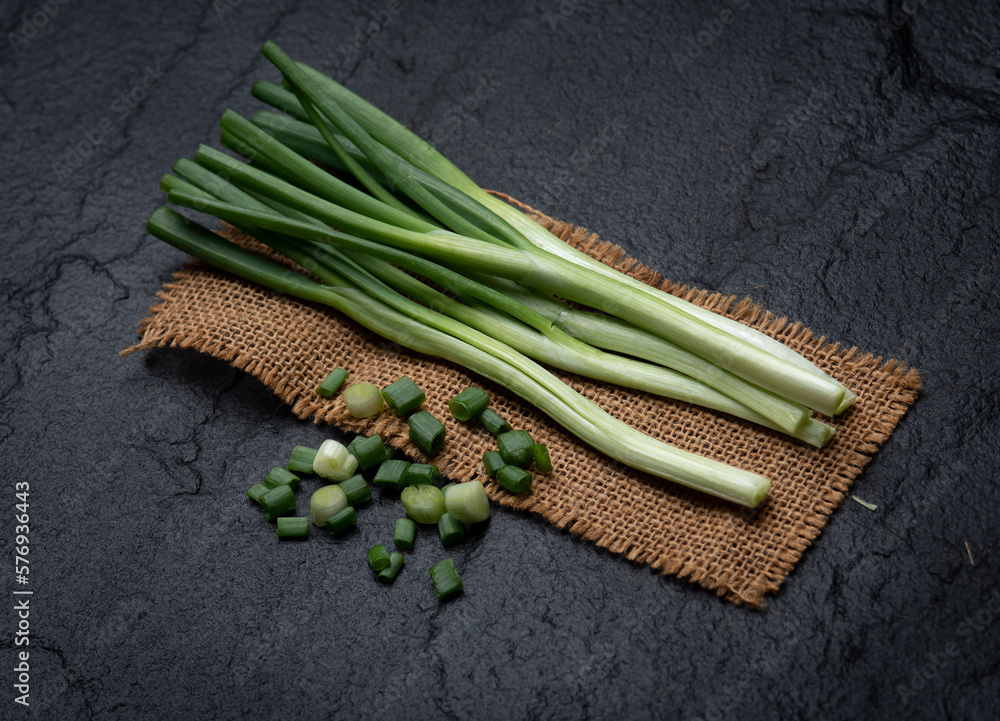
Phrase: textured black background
pixel 837 162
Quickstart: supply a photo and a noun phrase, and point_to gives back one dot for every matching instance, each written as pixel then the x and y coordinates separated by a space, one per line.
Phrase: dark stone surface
pixel 836 161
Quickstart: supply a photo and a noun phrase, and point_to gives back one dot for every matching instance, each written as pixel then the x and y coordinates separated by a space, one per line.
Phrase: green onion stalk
pixel 503 365
pixel 472 255
pixel 361 122
pixel 554 348
pixel 417 219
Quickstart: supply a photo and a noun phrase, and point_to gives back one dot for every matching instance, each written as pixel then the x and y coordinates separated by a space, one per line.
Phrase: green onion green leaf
pixel 426 432
pixel 332 383
pixel 403 396
pixel 404 534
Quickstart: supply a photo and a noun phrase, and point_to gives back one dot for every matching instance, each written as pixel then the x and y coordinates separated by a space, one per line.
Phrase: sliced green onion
pixel 445 579
pixel 469 403
pixel 419 474
pixel 389 573
pixel 492 462
pixel 342 521
pixel 867 504
pixel 494 422
pixel 301 460
pixel 424 504
pixel 279 476
pixel 543 464
pixel 516 447
pixel 369 451
pixel 333 462
pixel 356 490
pixel 404 533
pixel 515 479
pixel 332 383
pixel 451 530
pixel 391 475
pixel 363 400
pixel 293 527
pixel 378 557
pixel 403 396
pixel 256 492
pixel 327 501
pixel 277 502
pixel 426 432
pixel 468 502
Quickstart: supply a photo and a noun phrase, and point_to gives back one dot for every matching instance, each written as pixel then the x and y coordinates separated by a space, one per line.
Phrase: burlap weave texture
pixel 291 345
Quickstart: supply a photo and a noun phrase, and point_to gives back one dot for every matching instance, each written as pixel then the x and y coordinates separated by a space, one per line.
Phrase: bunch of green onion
pixel 502 284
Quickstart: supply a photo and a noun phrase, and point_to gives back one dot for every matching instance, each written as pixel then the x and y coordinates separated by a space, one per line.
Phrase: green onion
pixel 451 530
pixel 867 504
pixel 378 558
pixel 445 579
pixel 391 475
pixel 632 297
pixel 301 460
pixel 426 432
pixel 469 403
pixel 256 492
pixel 424 504
pixel 500 364
pixel 578 357
pixel 356 490
pixel 279 476
pixel 342 521
pixel 403 396
pixel 332 383
pixel 369 451
pixel 468 502
pixel 325 502
pixel 333 462
pixel 404 533
pixel 493 422
pixel 389 573
pixel 363 400
pixel 515 479
pixel 289 527
pixel 277 502
pixel 543 464
pixel 492 462
pixel 418 474
pixel 516 447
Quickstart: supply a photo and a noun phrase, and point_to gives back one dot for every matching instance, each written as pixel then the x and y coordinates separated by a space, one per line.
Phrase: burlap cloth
pixel 741 554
